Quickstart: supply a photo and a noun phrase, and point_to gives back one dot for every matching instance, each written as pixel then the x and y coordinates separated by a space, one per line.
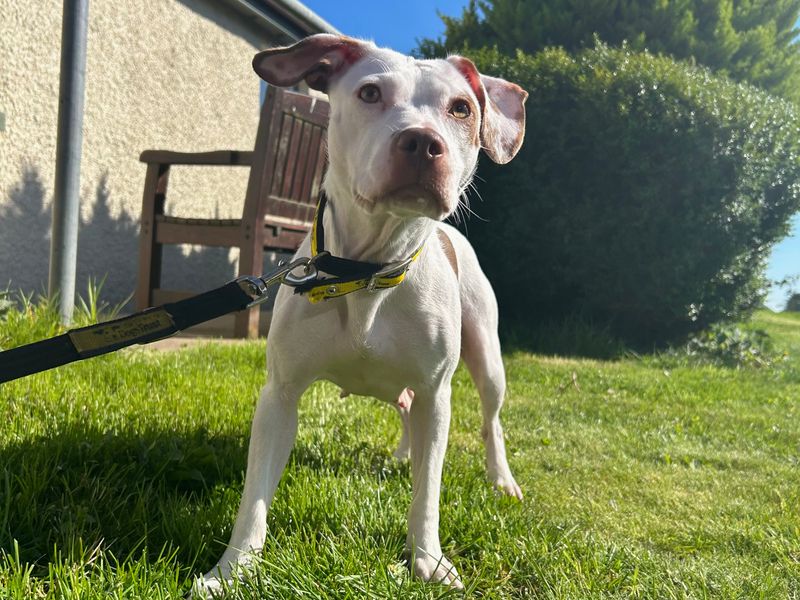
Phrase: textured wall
pixel 160 74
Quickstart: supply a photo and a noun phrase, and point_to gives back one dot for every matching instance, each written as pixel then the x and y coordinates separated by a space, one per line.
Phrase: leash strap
pixel 347 276
pixel 141 328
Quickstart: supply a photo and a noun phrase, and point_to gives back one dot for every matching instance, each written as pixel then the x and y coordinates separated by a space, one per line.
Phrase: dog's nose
pixel 420 143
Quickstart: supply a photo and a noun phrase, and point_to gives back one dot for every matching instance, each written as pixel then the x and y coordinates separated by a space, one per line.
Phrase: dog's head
pixel 404 134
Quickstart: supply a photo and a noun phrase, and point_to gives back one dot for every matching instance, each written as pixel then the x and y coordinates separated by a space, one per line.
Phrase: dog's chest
pixel 382 348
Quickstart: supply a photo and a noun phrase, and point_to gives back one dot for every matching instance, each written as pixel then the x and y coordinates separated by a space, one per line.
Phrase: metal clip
pixel 255 288
pixel 310 271
pixel 258 287
pixel 394 268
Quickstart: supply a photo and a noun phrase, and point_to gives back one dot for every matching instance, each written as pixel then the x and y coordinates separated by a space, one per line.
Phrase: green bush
pixel 727 345
pixel 647 195
pixel 793 303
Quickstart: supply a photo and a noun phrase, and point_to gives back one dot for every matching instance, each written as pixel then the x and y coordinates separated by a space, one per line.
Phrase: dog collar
pixel 344 276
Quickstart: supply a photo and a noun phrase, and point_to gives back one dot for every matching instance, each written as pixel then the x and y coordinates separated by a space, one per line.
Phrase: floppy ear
pixel 502 111
pixel 316 59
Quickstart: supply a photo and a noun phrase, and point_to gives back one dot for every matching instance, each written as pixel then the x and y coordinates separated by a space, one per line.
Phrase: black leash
pixel 141 328
pixel 149 325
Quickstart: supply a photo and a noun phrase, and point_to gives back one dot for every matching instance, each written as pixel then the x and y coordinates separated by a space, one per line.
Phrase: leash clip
pixel 258 287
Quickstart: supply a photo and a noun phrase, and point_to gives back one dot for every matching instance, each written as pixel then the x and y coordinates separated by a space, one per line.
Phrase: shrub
pixel 793 303
pixel 647 195
pixel 730 346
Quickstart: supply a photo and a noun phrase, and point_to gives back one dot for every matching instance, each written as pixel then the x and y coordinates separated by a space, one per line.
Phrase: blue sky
pixel 393 24
pixel 399 24
pixel 785 262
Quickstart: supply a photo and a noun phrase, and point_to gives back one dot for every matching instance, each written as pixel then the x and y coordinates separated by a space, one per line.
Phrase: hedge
pixel 647 195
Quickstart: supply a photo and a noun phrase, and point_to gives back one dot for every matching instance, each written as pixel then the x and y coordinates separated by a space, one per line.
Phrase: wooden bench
pixel 286 170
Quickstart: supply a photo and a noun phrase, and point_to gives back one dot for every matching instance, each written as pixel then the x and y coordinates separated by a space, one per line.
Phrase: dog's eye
pixel 370 93
pixel 460 109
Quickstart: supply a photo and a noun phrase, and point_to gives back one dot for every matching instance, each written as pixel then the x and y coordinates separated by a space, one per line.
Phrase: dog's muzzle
pixel 419 166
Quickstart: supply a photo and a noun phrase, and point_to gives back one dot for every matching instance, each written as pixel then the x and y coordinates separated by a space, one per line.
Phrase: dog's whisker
pixel 457 219
pixel 476 191
pixel 465 204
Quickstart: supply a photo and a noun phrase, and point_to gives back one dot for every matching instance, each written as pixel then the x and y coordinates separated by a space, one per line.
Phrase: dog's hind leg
pixel 480 349
pixel 272 437
pixel 403 407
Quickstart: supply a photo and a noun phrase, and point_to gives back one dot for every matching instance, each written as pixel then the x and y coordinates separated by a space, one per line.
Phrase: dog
pixel 403 143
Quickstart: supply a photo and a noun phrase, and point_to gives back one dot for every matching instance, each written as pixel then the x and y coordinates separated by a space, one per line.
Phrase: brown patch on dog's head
pixel 502 110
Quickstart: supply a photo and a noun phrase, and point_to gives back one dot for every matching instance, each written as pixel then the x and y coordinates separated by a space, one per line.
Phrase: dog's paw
pixel 436 570
pixel 220 580
pixel 502 479
pixel 508 486
pixel 402 452
pixel 207 587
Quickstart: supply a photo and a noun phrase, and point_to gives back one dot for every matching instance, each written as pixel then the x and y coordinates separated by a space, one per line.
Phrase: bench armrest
pixel 215 158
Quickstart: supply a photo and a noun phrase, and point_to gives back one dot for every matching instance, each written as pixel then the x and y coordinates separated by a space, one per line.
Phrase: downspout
pixel 288 17
pixel 300 13
pixel 66 195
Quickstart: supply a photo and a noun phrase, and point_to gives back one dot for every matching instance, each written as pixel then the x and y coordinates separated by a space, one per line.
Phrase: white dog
pixel 403 143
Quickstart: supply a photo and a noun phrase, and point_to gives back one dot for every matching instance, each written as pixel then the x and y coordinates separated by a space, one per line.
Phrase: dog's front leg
pixel 272 437
pixel 429 426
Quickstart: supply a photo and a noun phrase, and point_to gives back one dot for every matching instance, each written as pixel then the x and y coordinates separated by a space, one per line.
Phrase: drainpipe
pixel 66 197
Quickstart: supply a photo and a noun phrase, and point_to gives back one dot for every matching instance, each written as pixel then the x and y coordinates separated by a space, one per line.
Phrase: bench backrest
pixel 285 183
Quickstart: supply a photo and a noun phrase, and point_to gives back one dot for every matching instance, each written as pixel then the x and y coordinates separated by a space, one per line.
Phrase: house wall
pixel 160 74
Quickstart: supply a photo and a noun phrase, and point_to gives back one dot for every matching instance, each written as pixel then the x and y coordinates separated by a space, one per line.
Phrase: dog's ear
pixel 316 59
pixel 502 111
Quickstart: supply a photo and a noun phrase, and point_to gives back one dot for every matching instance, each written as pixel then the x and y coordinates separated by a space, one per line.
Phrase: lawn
pixel 120 478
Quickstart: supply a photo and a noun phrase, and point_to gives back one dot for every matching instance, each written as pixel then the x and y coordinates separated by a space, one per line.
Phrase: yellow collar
pixel 348 276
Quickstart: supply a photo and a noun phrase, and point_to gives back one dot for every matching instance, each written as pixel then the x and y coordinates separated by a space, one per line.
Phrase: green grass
pixel 120 478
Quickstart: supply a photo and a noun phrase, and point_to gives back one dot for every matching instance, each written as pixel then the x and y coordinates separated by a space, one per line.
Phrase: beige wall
pixel 160 74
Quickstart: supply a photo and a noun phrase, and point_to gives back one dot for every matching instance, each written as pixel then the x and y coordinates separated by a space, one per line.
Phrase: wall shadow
pixel 25 233
pixel 108 246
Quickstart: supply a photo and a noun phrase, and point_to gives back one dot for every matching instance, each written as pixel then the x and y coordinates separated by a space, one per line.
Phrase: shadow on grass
pixel 132 492
pixel 84 485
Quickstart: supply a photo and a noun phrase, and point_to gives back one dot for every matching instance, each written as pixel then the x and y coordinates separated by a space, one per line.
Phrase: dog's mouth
pixel 414 199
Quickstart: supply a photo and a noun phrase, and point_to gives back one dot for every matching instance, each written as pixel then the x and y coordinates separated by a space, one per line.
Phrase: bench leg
pixel 155 192
pixel 251 262
pixel 246 323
